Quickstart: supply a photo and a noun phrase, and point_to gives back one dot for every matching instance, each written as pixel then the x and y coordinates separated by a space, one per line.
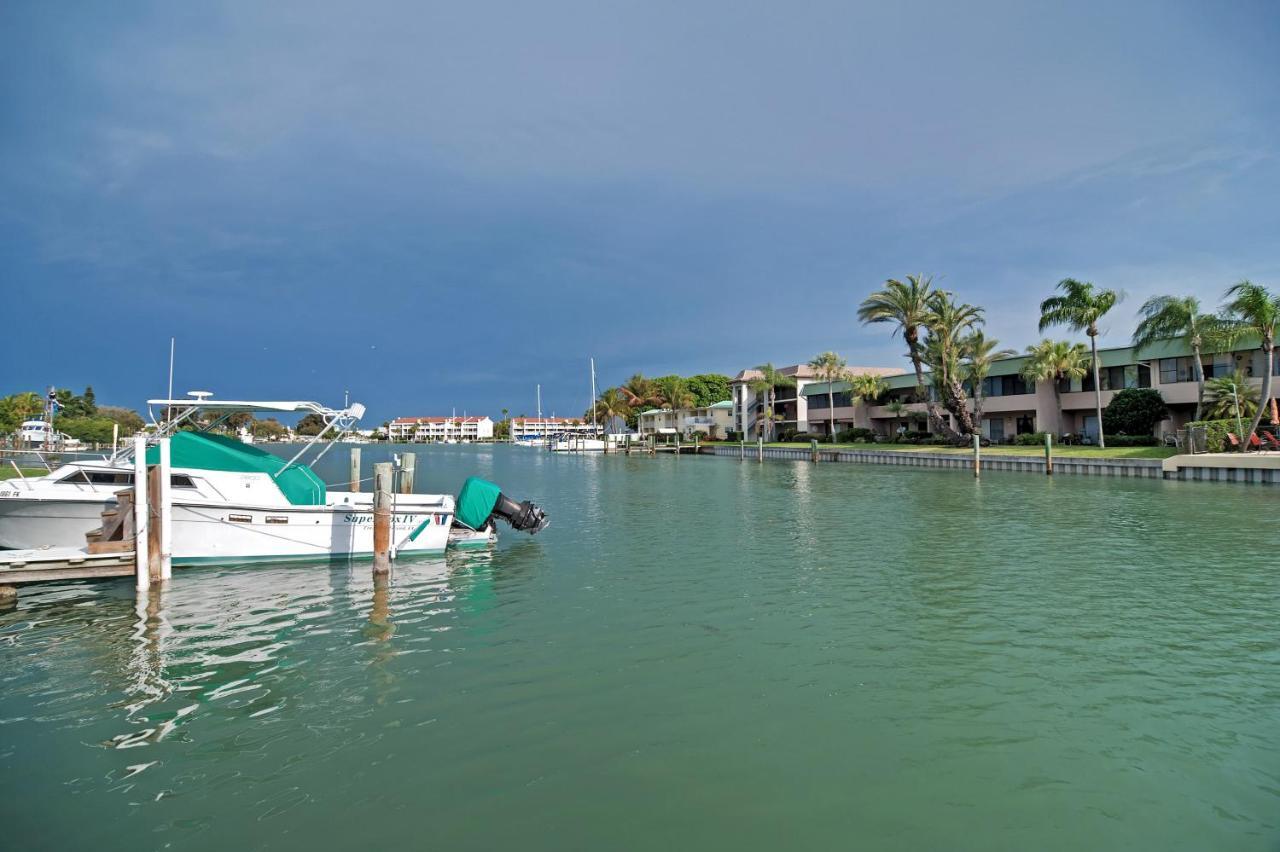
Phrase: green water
pixel 699 653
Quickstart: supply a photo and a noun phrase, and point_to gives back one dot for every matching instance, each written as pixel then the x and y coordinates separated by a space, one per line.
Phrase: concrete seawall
pixel 1218 468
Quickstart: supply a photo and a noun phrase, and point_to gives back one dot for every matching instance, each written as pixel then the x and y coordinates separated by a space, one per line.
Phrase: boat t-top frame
pixel 179 412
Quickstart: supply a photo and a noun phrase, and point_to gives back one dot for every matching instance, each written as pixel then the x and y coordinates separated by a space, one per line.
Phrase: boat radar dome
pixel 480 501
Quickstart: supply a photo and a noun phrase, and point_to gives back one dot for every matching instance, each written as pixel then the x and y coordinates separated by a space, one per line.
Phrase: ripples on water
pixel 698 651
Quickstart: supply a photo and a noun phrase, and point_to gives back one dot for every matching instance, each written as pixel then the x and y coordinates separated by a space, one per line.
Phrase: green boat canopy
pixel 476 501
pixel 202 451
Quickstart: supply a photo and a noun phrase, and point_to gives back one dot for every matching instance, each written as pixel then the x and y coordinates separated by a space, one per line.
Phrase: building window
pixel 1006 386
pixel 1173 370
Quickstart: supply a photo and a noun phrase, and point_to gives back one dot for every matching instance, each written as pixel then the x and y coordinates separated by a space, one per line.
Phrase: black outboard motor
pixel 523 517
pixel 480 501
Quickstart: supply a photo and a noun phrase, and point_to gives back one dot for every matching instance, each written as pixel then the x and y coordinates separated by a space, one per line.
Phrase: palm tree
pixel 1253 309
pixel 639 391
pixel 896 407
pixel 868 387
pixel 1226 392
pixel 979 353
pixel 611 403
pixel 906 306
pixel 1079 308
pixel 1179 318
pixel 768 383
pixel 831 368
pixel 673 393
pixel 1053 361
pixel 949 324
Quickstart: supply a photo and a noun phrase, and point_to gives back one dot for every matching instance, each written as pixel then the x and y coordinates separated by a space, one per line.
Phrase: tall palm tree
pixel 1255 310
pixel 868 387
pixel 1225 393
pixel 1079 308
pixel 1053 361
pixel 896 407
pixel 768 383
pixel 611 403
pixel 831 368
pixel 949 323
pixel 1179 318
pixel 979 353
pixel 673 393
pixel 905 305
pixel 639 391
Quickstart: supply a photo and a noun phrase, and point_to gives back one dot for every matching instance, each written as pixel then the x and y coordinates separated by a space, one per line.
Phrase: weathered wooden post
pixel 813 450
pixel 160 530
pixel 760 448
pixel 677 445
pixel 141 513
pixel 742 449
pixel 115 438
pixel 1048 454
pixel 695 443
pixel 355 470
pixel 408 462
pixel 382 518
pixel 977 456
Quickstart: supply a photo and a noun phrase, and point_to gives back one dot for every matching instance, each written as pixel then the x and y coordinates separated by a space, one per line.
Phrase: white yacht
pixel 234 502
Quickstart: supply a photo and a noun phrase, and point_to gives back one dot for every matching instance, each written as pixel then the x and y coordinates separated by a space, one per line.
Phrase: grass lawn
pixel 10 473
pixel 1036 452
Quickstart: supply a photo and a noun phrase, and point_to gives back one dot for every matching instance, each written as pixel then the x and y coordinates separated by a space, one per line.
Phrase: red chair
pixel 1235 442
pixel 1271 440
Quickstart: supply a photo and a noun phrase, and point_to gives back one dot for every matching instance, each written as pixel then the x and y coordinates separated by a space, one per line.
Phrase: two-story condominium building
pixel 715 421
pixel 541 427
pixel 436 429
pixel 795 405
pixel 1012 405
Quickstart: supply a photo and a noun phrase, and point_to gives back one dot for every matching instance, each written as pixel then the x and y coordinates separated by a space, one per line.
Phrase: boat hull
pixel 217 534
pixel 31 523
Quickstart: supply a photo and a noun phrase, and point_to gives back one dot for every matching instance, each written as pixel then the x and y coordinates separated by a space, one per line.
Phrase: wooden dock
pixel 49 564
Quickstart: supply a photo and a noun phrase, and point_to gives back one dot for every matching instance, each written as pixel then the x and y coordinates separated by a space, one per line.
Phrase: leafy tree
pixel 1079 308
pixel 1134 411
pixel 674 394
pixel 1053 361
pixel 1224 393
pixel 868 387
pixel 269 428
pixel 708 388
pixel 1254 310
pixel 905 306
pixel 612 403
pixel 311 424
pixel 129 420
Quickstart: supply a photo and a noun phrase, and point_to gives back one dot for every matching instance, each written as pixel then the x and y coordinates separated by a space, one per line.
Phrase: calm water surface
pixel 698 653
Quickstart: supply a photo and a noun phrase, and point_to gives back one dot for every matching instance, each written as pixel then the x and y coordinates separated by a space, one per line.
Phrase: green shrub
pixel 1029 439
pixel 856 435
pixel 1134 411
pixel 1216 434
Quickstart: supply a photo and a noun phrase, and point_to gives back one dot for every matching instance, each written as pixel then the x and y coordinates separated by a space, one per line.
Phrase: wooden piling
pixel 408 462
pixel 742 448
pixel 355 470
pixel 977 457
pixel 141 513
pixel 382 518
pixel 159 555
pixel 813 450
pixel 166 511
pixel 760 449
pixel 1048 454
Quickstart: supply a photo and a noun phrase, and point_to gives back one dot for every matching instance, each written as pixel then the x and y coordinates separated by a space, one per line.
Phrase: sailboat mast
pixel 595 425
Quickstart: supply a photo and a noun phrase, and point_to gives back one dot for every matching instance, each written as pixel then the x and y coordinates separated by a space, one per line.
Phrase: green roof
pixel 655 411
pixel 203 451
pixel 817 388
pixel 724 403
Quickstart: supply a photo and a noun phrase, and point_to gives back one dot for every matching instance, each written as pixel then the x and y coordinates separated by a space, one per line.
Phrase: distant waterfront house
pixel 1014 406
pixel 540 427
pixel 795 406
pixel 714 421
pixel 435 429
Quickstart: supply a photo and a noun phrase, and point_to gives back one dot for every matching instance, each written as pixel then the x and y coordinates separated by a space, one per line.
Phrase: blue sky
pixel 440 205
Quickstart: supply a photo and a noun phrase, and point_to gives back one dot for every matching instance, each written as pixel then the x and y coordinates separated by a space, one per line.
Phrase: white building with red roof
pixel 437 429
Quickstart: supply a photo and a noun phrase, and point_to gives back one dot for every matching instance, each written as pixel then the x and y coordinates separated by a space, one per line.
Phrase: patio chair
pixel 1233 440
pixel 1271 441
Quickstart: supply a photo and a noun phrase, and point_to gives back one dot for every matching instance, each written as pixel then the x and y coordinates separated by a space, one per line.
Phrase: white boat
pixel 572 444
pixel 39 433
pixel 233 502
